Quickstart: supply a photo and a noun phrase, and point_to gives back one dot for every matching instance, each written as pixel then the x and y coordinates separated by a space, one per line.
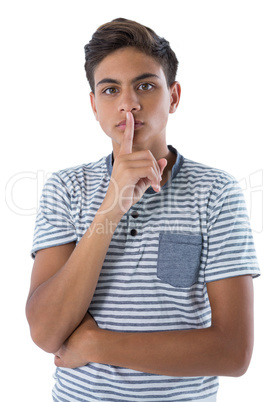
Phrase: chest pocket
pixel 179 259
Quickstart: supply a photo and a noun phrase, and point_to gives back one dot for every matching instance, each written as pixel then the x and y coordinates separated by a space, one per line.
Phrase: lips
pixel 137 124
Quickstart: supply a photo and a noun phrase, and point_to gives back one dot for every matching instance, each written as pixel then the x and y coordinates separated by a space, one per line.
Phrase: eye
pixel 145 87
pixel 110 91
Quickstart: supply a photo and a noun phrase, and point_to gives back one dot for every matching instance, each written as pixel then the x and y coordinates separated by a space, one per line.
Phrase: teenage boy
pixel 142 279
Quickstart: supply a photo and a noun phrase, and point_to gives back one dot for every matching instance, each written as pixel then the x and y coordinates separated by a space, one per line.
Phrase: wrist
pixel 96 345
pixel 104 224
pixel 109 347
pixel 110 213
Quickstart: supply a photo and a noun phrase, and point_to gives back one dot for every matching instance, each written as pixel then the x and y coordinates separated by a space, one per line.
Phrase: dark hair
pixel 121 33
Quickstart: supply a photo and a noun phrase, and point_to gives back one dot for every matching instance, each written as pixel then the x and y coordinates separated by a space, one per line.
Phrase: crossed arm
pixel 223 349
pixel 67 331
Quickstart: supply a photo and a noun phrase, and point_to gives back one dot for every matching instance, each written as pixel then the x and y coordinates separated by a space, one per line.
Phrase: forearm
pixel 201 352
pixel 225 348
pixel 58 305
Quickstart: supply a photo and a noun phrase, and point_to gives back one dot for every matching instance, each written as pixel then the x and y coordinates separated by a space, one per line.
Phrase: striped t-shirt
pixel 163 252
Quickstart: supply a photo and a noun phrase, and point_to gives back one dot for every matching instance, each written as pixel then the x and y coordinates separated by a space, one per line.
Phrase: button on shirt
pixel 163 252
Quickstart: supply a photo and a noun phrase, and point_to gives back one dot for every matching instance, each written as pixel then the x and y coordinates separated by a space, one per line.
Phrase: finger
pixel 162 163
pixel 57 361
pixel 145 173
pixel 126 144
pixel 146 168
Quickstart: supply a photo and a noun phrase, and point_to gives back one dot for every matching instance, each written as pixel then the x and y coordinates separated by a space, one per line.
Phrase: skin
pixel 133 112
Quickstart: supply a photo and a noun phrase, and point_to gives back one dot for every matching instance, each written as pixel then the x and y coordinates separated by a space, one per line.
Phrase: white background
pixel 47 124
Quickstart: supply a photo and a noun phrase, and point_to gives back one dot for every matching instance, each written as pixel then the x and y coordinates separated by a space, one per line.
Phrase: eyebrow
pixel 138 78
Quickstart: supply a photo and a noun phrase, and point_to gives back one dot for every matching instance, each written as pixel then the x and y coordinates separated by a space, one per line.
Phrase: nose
pixel 129 101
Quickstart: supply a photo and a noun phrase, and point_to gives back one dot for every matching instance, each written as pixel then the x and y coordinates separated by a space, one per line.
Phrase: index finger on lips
pixel 126 144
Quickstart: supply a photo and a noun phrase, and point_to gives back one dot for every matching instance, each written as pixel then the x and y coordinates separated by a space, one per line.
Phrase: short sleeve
pixel 231 251
pixel 54 224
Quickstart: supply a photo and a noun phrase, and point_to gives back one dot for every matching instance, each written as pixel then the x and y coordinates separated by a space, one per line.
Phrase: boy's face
pixel 129 80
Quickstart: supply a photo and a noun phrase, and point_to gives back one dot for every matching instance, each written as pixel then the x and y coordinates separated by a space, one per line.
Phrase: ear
pixel 175 94
pixel 93 104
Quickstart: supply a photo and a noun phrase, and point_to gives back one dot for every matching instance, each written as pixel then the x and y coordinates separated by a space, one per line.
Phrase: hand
pixel 133 173
pixel 73 352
